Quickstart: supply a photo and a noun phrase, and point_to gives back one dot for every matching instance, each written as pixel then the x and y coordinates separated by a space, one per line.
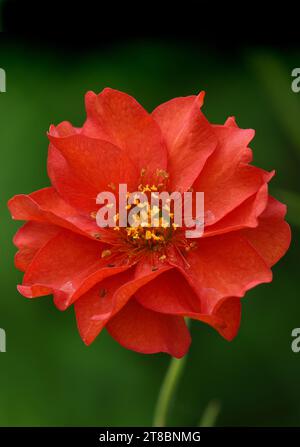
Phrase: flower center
pixel 151 226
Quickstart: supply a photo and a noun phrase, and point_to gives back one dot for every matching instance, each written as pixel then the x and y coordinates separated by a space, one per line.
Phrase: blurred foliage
pixel 48 376
pixel 285 104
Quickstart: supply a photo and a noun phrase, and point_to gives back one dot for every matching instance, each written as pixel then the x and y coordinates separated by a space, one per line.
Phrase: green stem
pixel 167 391
pixel 210 414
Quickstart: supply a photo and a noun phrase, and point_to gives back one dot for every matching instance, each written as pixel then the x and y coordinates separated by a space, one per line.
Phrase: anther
pixel 105 253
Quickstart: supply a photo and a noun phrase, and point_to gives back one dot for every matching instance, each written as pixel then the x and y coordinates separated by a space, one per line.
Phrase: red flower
pixel 141 291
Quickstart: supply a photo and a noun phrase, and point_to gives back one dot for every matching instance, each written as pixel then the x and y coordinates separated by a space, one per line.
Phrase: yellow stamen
pixel 93 214
pixel 148 235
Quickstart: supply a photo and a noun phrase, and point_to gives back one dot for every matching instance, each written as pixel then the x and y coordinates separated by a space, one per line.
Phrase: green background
pixel 48 376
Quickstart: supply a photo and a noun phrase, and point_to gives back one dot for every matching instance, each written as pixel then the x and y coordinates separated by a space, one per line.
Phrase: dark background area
pixel 48 376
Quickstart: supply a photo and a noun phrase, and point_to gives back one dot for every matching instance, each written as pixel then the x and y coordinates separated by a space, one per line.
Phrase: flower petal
pixel 272 237
pixel 227 179
pixel 45 205
pixel 245 215
pixel 225 318
pixel 189 137
pixel 93 314
pixel 118 118
pixel 95 163
pixel 78 193
pixel 171 294
pixel 143 273
pixel 222 266
pixel 97 301
pixel 148 332
pixel 29 239
pixel 67 266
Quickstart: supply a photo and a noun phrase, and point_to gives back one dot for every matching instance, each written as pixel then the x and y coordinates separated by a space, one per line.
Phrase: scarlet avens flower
pixel 139 283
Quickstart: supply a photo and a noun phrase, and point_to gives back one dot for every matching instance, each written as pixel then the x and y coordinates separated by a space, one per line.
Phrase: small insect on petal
pixel 97 236
pixel 102 293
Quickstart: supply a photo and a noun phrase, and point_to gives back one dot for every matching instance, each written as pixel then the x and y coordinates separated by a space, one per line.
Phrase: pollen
pixel 162 173
pixel 147 188
pixel 105 253
pixel 165 224
pixel 112 186
pixel 148 235
pixel 191 246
